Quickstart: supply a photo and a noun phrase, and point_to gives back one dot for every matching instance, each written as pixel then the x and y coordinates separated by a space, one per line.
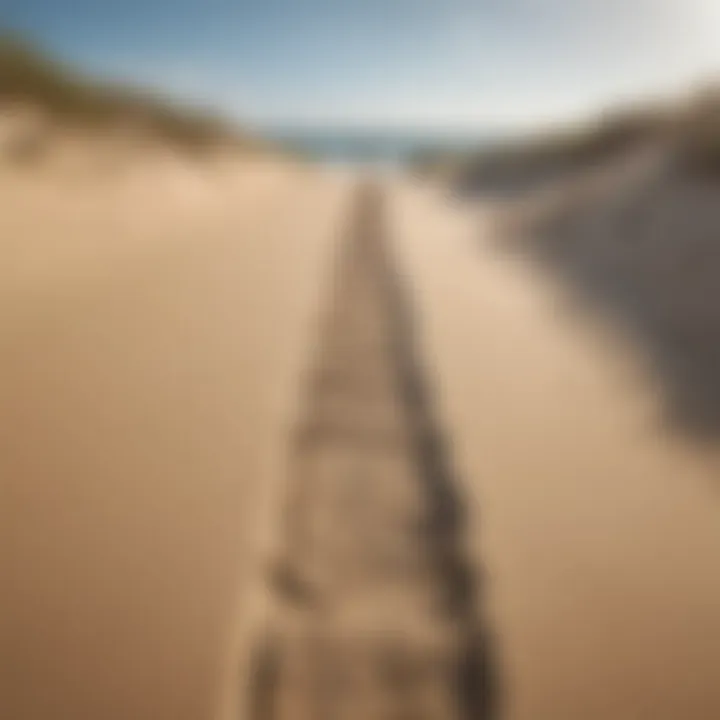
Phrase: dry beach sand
pixel 156 326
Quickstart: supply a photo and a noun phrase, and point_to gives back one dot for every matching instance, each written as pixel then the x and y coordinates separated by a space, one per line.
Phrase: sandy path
pixel 370 605
pixel 600 537
pixel 152 334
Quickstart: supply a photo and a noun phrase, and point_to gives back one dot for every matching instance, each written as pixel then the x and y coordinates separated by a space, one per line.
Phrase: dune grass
pixel 691 127
pixel 28 77
pixel 700 129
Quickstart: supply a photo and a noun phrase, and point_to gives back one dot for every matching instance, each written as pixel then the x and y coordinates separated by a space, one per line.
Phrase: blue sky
pixel 470 64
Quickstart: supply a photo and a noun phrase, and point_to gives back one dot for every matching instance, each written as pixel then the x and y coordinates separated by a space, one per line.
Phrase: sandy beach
pixel 156 330
pixel 596 528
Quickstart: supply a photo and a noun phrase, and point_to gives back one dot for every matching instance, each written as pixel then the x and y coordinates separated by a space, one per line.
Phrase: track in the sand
pixel 374 606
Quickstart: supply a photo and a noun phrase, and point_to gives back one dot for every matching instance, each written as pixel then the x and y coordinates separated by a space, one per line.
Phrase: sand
pixel 152 331
pixel 156 327
pixel 597 531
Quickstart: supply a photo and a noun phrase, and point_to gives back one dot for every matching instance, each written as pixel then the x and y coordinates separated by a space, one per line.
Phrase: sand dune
pixel 597 529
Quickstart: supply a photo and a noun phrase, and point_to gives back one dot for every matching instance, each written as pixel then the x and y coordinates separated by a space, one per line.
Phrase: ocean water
pixel 389 148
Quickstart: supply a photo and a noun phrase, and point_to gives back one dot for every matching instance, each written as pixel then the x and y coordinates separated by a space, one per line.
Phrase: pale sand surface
pixel 155 331
pixel 152 333
pixel 599 535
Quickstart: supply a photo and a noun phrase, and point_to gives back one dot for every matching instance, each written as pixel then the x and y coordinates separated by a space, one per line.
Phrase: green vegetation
pixel 28 77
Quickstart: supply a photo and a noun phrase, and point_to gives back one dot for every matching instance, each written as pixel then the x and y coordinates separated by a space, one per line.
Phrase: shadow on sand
pixel 315 669
pixel 645 255
pixel 477 679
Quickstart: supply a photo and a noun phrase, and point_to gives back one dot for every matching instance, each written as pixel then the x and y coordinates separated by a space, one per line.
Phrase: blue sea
pixel 374 147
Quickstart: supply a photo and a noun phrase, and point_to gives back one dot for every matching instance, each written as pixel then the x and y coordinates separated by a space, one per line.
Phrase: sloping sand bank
pixel 597 529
